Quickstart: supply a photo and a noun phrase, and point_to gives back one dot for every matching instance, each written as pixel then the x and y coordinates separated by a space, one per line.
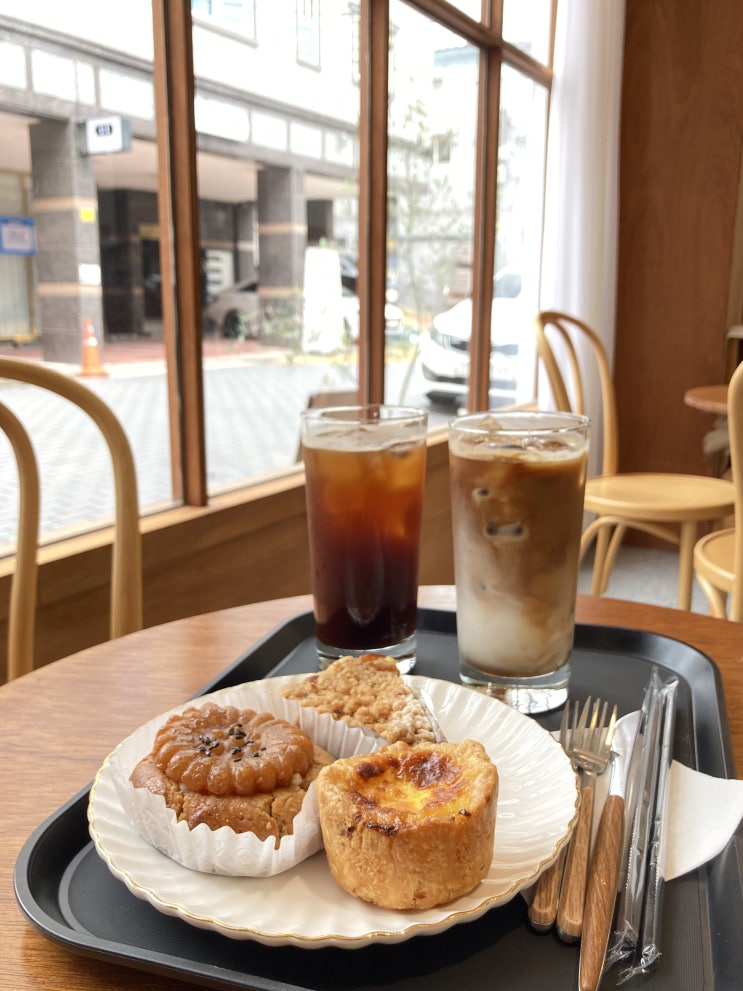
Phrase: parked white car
pixel 235 312
pixel 445 358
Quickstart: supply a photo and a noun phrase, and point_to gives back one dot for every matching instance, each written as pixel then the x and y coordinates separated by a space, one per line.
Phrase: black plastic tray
pixel 68 893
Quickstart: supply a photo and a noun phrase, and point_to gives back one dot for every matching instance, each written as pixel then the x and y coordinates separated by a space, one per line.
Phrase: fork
pixel 589 748
pixel 543 907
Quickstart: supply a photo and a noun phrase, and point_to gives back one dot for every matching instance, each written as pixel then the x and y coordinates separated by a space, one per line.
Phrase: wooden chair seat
pixel 665 505
pixel 126 565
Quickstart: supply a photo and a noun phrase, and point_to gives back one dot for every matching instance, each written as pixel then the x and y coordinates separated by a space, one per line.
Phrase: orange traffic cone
pixel 91 356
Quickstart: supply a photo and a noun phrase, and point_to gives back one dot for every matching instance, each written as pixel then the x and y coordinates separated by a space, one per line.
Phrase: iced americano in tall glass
pixel 365 474
pixel 517 483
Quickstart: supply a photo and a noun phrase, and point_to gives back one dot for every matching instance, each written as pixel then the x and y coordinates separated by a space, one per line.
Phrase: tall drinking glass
pixel 365 473
pixel 517 483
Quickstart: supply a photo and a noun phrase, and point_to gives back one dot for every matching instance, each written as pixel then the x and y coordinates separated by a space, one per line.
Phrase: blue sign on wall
pixel 17 236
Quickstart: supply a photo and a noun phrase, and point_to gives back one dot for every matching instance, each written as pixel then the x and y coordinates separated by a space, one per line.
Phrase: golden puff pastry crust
pixel 410 827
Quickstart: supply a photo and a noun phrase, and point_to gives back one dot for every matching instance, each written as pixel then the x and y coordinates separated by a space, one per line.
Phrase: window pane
pixel 277 175
pixel 433 112
pixel 308 32
pixel 233 15
pixel 528 26
pixel 90 190
pixel 521 157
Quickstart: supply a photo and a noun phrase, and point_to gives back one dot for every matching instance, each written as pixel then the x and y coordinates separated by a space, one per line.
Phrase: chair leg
pixel 598 585
pixel 686 563
pixel 611 555
pixel 716 598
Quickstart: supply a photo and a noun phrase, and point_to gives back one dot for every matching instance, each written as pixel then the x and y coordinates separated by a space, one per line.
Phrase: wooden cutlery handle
pixel 601 893
pixel 543 908
pixel 573 891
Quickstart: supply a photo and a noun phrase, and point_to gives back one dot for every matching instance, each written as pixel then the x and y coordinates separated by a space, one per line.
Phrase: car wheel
pixel 444 398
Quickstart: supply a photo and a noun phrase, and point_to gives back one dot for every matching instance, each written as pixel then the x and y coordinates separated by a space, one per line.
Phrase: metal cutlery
pixel 638 927
pixel 589 749
pixel 543 908
pixel 586 738
pixel 601 891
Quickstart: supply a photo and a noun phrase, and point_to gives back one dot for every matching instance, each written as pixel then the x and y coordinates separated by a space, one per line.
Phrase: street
pixel 252 428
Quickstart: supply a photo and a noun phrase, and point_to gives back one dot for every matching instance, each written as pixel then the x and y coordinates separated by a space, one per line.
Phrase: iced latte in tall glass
pixel 517 483
pixel 365 473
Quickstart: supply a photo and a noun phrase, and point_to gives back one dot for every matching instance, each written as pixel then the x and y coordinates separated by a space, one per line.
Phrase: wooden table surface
pixel 61 721
pixel 708 398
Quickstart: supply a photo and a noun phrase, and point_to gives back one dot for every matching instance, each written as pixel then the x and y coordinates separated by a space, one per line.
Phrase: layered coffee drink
pixel 517 483
pixel 364 484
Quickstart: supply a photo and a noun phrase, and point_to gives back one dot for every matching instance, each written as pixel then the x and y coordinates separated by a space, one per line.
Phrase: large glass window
pixel 82 171
pixel 282 276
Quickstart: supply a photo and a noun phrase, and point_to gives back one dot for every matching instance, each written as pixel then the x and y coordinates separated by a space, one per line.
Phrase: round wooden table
pixel 61 721
pixel 708 398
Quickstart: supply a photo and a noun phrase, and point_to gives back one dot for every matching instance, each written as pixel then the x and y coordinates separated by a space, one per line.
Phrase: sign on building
pixel 104 135
pixel 17 236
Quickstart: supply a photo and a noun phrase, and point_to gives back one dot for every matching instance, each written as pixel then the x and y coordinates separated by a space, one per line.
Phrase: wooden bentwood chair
pixel 667 505
pixel 126 567
pixel 718 556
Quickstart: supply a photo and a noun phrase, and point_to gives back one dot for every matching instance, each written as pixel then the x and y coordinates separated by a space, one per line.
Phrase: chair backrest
pixel 126 567
pixel 733 351
pixel 563 336
pixel 735 427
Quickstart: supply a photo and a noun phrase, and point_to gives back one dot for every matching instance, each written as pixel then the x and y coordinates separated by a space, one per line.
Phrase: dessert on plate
pixel 410 827
pixel 368 691
pixel 223 766
pixel 226 784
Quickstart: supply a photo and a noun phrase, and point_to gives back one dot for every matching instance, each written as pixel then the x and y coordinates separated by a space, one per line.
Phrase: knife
pixel 601 890
pixel 643 923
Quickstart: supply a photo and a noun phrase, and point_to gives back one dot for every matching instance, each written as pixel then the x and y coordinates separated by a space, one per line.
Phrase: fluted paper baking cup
pixel 223 851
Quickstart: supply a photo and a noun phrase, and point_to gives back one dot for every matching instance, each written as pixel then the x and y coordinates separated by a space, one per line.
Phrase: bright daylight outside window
pixel 433 101
pixel 78 169
pixel 277 109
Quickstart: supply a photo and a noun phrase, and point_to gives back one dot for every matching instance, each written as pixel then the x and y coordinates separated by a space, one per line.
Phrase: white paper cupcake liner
pixel 223 851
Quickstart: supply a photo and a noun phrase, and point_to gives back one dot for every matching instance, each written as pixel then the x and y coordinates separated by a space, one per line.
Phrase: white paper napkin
pixel 703 813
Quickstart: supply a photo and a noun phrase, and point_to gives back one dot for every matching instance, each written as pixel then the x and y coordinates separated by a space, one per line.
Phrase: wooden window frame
pixel 174 88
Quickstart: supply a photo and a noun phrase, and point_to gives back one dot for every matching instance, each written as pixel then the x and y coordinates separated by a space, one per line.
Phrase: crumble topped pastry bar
pixel 368 691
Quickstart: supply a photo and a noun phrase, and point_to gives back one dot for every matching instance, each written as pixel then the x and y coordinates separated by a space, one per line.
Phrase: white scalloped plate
pixel 537 799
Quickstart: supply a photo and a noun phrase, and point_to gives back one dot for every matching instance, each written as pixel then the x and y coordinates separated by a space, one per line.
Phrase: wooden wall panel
pixel 681 134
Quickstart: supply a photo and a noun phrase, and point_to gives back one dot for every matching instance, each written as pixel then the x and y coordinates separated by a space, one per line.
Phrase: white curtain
pixel 581 205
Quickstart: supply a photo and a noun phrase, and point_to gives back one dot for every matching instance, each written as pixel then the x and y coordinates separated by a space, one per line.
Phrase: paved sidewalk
pixel 149 354
pixel 252 395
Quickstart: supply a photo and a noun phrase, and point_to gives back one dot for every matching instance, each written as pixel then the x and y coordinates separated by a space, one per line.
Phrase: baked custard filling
pixel 401 790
